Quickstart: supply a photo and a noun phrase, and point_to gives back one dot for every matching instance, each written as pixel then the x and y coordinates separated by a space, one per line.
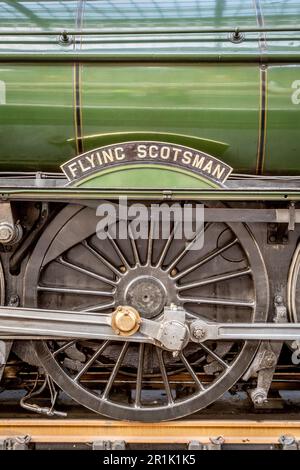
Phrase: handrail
pixel 150 31
pixel 184 57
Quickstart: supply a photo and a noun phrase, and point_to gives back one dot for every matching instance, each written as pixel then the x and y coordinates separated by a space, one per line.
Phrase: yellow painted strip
pixel 180 432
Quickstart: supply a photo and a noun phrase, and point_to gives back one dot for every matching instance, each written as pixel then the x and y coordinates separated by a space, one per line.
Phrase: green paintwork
pixel 214 107
pixel 283 120
pixel 208 102
pixel 36 117
pixel 156 176
pixel 206 145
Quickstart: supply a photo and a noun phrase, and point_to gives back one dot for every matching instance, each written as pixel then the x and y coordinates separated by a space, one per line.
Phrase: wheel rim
pixel 148 279
pixel 293 286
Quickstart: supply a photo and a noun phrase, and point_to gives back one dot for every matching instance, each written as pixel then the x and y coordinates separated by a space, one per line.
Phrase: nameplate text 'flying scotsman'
pixel 146 153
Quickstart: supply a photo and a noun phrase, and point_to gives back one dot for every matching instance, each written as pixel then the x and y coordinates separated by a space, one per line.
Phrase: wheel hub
pixel 147 294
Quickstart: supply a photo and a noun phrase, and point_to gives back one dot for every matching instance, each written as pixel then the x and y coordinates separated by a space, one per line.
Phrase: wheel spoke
pixel 215 356
pixel 71 290
pixel 118 251
pixel 213 254
pixel 139 377
pixel 166 247
pixel 91 360
pixel 150 243
pixel 191 371
pixel 98 308
pixel 216 301
pixel 115 371
pixel 64 347
pixel 164 375
pixel 187 248
pixel 82 270
pixel 101 258
pixel 215 279
pixel 134 247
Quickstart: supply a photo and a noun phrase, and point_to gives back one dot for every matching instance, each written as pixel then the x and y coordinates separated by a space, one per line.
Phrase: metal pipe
pixel 83 195
pixel 65 56
pixel 137 31
pixel 143 40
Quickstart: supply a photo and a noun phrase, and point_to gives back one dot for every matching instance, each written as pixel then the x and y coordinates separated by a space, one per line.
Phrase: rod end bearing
pixel 125 320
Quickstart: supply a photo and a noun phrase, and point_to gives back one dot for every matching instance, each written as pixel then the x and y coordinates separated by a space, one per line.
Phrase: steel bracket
pixel 264 364
pixel 278 234
pixel 288 442
pixel 5 347
pixel 10 230
pixel 292 216
pixel 214 444
pixel 15 443
pixel 109 445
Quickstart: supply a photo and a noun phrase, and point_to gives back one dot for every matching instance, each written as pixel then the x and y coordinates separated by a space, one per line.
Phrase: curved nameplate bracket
pixel 213 147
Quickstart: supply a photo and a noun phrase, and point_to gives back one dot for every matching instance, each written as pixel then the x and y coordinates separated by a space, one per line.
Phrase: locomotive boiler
pixel 139 109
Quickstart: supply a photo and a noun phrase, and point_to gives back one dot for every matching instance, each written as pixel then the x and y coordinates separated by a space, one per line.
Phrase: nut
pixel 199 332
pixel 259 396
pixel 287 440
pixel 278 299
pixel 6 232
pixel 269 359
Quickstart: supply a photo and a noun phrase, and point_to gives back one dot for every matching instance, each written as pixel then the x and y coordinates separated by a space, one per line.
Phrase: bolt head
pixel 259 397
pixel 199 332
pixel 269 362
pixel 287 440
pixel 173 306
pixel 6 233
pixel 259 400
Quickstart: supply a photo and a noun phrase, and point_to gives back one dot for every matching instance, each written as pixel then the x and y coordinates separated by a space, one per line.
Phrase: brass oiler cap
pixel 125 321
